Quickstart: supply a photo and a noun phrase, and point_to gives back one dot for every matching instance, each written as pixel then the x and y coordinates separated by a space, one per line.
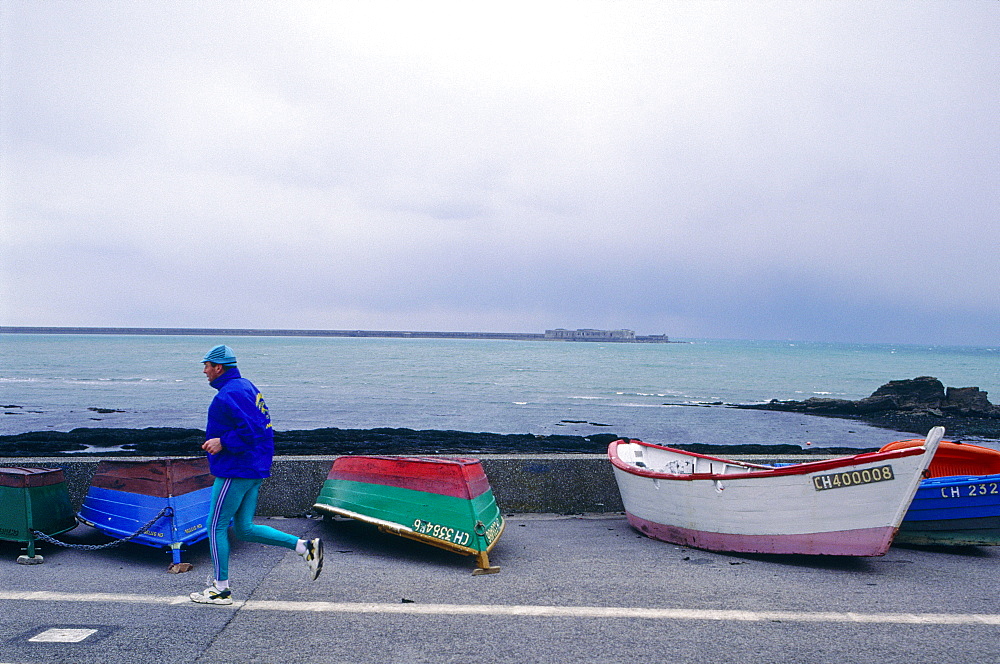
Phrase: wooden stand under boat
pixel 444 502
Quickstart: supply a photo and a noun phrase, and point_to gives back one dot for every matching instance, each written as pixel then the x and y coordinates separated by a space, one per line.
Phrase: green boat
pixel 33 500
pixel 444 502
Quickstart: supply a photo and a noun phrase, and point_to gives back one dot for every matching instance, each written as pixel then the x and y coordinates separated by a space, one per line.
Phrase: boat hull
pixel 33 499
pixel 857 542
pixel 954 511
pixel 446 503
pixel 126 495
pixel 849 507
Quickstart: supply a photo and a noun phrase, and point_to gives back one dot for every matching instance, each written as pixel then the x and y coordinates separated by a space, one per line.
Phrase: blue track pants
pixel 235 498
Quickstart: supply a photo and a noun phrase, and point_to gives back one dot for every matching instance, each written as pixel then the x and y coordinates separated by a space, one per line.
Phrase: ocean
pixel 666 393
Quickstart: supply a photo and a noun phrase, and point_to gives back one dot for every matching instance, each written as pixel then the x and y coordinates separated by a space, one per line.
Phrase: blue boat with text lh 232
pixel 959 502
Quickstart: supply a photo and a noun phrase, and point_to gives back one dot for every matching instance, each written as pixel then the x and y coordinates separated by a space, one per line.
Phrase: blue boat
pixel 959 503
pixel 125 495
pixel 959 510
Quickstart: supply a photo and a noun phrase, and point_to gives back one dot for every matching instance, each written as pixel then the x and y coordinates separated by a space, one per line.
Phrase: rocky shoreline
pixel 162 441
pixel 912 405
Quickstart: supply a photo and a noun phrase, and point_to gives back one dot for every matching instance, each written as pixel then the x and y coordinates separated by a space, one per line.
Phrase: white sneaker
pixel 314 556
pixel 213 595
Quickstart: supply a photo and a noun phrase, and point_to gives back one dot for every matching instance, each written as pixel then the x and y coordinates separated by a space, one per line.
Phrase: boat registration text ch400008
pixel 853 478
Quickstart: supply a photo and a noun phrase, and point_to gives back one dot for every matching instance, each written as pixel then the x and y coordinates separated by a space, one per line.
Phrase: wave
pixel 683 398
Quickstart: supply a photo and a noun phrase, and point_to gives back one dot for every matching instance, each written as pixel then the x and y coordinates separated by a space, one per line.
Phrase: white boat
pixel 849 506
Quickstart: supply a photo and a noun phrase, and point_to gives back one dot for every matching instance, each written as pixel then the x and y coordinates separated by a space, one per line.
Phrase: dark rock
pixel 334 441
pixel 41 448
pixel 916 393
pixel 43 443
pixel 875 404
pixel 726 450
pixel 967 401
pixel 827 405
pixel 329 441
pixel 914 405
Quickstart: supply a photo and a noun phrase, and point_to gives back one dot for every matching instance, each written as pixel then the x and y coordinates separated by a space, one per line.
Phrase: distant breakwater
pixel 255 332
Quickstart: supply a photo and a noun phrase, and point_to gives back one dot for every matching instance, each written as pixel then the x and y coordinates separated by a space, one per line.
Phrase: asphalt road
pixel 571 589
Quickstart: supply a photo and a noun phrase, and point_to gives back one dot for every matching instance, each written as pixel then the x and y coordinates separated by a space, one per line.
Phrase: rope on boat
pixel 166 511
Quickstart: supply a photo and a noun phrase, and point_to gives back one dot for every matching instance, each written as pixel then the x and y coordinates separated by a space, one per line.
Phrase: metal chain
pixel 166 511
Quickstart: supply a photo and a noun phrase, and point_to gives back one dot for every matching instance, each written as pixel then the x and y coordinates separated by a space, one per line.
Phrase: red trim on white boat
pixel 754 470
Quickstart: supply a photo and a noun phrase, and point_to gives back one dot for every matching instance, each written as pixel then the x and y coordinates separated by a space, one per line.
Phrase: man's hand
pixel 212 445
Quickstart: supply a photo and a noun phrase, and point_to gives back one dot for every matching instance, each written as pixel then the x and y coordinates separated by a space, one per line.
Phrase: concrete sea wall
pixel 522 483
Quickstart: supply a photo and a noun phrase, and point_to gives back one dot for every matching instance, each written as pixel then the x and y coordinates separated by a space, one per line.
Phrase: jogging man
pixel 240 446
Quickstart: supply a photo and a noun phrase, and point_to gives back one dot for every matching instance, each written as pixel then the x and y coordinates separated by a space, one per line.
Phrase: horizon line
pixel 291 332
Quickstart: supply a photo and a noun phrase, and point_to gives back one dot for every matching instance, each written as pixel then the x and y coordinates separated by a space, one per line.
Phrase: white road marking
pixel 604 612
pixel 118 598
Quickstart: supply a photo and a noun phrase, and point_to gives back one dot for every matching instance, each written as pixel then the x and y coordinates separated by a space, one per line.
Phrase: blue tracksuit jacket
pixel 238 416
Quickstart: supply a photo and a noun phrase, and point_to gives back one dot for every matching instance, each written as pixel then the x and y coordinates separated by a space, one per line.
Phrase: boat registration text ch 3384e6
pixel 445 533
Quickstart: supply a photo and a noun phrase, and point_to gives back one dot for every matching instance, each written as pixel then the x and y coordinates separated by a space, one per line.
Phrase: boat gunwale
pixel 449 461
pixel 105 497
pixel 757 472
pixel 959 479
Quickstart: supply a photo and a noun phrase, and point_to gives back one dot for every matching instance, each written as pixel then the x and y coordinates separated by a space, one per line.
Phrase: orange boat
pixel 955 458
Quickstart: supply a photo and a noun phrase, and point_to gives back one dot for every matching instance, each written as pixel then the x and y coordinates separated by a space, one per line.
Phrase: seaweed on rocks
pixel 104 441
pixel 739 449
pixel 39 448
pixel 411 441
pixel 164 441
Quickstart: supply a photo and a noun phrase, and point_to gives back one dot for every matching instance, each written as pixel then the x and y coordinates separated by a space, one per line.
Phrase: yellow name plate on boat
pixel 440 532
pixel 853 478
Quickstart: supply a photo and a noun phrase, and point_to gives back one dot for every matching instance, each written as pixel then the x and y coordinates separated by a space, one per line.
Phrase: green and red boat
pixel 444 502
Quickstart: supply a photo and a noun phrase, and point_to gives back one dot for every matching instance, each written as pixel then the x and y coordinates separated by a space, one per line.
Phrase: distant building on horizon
pixel 587 334
pixel 590 335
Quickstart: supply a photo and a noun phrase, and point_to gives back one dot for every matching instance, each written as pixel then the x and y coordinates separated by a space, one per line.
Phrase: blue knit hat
pixel 223 355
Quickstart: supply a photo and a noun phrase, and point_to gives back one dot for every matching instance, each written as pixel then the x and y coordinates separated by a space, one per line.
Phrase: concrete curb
pixel 522 483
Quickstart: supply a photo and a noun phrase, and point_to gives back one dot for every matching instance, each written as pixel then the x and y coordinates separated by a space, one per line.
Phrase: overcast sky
pixel 789 170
